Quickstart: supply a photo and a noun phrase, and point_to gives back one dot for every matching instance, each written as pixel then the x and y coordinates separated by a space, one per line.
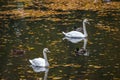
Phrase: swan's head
pixel 46 50
pixel 86 21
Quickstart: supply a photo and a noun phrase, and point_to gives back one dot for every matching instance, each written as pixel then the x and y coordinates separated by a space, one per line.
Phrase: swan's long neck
pixel 85 43
pixel 45 57
pixel 84 29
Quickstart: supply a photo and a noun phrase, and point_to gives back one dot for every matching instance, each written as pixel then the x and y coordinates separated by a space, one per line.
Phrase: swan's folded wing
pixel 75 34
pixel 38 69
pixel 38 62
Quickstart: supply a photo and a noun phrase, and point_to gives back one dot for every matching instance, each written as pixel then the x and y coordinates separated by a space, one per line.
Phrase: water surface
pixel 32 36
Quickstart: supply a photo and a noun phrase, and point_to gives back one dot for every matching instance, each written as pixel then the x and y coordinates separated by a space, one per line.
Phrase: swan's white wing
pixel 38 62
pixel 75 34
pixel 73 40
pixel 38 68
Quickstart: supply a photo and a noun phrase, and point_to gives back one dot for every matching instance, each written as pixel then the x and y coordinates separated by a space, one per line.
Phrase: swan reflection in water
pixel 41 69
pixel 83 50
pixel 79 51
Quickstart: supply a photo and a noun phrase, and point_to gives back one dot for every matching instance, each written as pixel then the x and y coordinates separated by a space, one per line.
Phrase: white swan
pixel 73 40
pixel 41 62
pixel 77 34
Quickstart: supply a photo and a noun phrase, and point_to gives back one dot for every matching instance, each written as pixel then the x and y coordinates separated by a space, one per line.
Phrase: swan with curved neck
pixel 41 62
pixel 77 34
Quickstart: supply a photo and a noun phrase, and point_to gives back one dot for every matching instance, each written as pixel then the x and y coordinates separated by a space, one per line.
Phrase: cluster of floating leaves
pixel 53 6
pixel 107 28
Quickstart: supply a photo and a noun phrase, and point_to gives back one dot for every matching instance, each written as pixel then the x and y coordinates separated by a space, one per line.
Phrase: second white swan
pixel 77 34
pixel 41 62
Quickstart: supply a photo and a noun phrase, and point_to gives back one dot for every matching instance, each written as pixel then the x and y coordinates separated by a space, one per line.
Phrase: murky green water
pixel 101 63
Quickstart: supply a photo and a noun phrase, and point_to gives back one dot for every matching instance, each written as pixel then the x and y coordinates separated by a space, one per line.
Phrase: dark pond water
pixel 101 61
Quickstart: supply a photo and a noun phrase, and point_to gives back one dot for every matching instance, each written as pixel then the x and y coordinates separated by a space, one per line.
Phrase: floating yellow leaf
pixel 55 78
pixel 30 48
pixel 30 32
pixel 97 67
pixel 30 71
pixel 10 64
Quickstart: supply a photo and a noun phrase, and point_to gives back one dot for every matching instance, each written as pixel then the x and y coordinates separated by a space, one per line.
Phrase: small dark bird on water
pixel 17 52
pixel 80 51
pixel 80 29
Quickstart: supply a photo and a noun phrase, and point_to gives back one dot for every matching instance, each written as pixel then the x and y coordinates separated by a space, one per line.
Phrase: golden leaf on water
pixel 60 71
pixel 37 38
pixel 66 65
pixel 30 48
pixel 72 65
pixel 116 78
pixel 53 43
pixel 105 74
pixel 22 76
pixel 31 33
pixel 76 65
pixel 102 54
pixel 30 71
pixel 97 67
pixel 39 78
pixel 72 76
pixel 10 64
pixel 55 78
pixel 20 46
pixel 98 33
pixel 53 28
pixel 59 33
pixel 19 67
pixel 116 67
pixel 51 59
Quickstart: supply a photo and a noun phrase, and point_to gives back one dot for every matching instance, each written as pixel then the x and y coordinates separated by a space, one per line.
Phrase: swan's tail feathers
pixel 31 62
pixel 64 33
